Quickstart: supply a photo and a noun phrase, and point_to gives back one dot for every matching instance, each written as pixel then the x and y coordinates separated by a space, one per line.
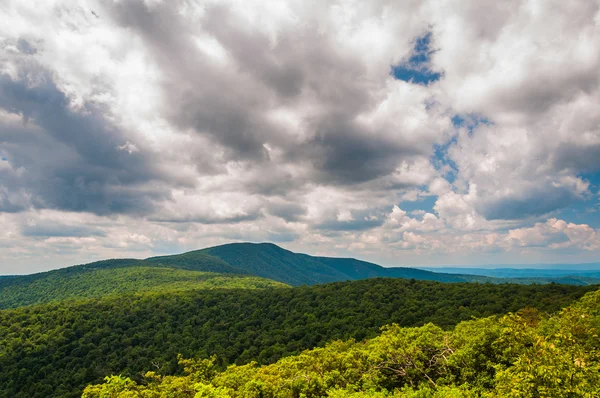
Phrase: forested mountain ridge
pixel 527 354
pixel 116 276
pixel 260 260
pixel 99 282
pixel 54 350
pixel 273 262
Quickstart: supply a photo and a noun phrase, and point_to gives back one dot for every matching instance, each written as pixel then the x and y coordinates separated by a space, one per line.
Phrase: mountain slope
pixel 102 282
pixel 357 269
pixel 195 261
pixel 271 261
pixel 193 270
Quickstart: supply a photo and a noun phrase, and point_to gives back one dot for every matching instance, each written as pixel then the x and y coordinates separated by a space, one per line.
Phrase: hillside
pixel 54 350
pixel 519 355
pixel 184 271
pixel 98 282
pixel 196 261
pixel 271 261
pixel 354 269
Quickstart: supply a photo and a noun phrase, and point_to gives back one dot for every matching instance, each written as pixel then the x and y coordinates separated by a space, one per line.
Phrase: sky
pixel 446 132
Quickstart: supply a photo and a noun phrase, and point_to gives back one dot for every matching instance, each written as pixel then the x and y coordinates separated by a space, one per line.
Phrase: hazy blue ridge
pixel 521 272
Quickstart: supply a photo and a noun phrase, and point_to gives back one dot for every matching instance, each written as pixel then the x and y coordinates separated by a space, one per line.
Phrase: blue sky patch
pixel 440 159
pixel 585 211
pixel 417 68
pixel 470 121
pixel 425 203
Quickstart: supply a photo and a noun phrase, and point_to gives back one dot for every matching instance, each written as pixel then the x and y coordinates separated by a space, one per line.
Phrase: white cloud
pixel 162 129
pixel 556 234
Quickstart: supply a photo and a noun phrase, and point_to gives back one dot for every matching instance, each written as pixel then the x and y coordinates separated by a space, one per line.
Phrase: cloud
pixel 556 234
pixel 158 126
pixel 536 90
pixel 69 159
pixel 46 229
pixel 338 130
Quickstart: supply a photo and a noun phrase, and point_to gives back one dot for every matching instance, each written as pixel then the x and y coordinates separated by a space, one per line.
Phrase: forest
pixel 98 282
pixel 523 354
pixel 56 349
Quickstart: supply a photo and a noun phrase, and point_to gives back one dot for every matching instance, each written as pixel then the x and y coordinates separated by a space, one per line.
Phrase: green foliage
pixel 195 261
pixel 518 355
pixel 53 350
pixel 97 282
pixel 80 281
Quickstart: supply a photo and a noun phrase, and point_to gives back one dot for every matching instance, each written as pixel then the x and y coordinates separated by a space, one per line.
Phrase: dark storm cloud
pixel 198 94
pixel 535 201
pixel 25 47
pixel 538 95
pixel 581 157
pixel 45 229
pixel 230 105
pixel 343 153
pixel 361 220
pixel 209 218
pixel 352 225
pixel 10 201
pixel 278 67
pixel 65 159
pixel 289 211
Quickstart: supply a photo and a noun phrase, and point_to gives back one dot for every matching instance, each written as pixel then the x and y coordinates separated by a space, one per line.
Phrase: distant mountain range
pixel 271 261
pixel 591 270
pixel 238 265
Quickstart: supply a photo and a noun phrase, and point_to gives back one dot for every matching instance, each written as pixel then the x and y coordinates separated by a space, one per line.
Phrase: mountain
pixel 55 349
pixel 270 261
pixel 263 260
pixel 273 262
pixel 194 270
pixel 101 282
pixel 357 269
pixel 225 265
pixel 522 272
pixel 195 261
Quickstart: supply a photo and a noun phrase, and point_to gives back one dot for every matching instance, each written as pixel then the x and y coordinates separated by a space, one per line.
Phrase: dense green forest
pixel 518 355
pixel 108 277
pixel 54 350
pixel 97 282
